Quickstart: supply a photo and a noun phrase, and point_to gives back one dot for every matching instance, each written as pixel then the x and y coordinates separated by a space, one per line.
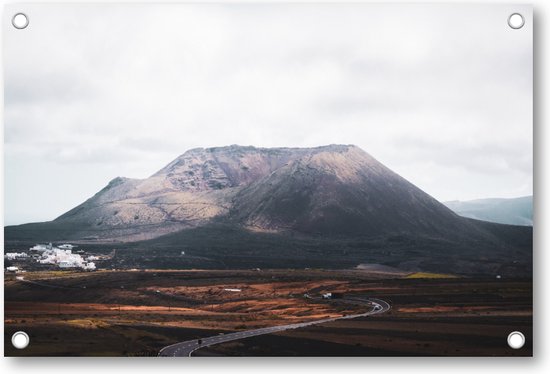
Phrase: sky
pixel 441 94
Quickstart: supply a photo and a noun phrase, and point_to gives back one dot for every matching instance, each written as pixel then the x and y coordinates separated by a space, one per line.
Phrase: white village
pixel 61 256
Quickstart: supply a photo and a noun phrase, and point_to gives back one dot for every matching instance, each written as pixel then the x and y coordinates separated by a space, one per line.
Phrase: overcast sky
pixel 441 94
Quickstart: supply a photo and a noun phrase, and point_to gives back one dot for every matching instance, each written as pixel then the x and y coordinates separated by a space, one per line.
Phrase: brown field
pixel 118 313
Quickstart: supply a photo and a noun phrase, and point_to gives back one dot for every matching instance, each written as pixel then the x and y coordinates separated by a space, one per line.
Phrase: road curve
pixel 186 348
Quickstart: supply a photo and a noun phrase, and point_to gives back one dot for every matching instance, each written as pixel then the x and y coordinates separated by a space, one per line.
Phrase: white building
pixel 41 247
pixel 66 246
pixel 65 259
pixel 12 268
pixel 89 266
pixel 15 255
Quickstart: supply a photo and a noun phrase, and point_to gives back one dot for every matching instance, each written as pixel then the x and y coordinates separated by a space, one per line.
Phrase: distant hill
pixel 245 206
pixel 516 211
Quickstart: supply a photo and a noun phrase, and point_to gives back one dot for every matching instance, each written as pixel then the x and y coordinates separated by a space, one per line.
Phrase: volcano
pixel 331 194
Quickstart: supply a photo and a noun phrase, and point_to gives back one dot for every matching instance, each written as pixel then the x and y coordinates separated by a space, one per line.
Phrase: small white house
pixel 66 246
pixel 66 264
pixel 15 255
pixel 40 248
pixel 12 268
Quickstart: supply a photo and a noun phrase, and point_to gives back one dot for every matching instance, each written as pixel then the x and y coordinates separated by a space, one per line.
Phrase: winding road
pixel 186 348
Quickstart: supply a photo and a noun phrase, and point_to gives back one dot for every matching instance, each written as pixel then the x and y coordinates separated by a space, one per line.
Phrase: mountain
pixel 516 211
pixel 246 206
pixel 336 189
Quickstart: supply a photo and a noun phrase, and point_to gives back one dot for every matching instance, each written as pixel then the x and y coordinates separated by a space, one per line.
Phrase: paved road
pixel 185 349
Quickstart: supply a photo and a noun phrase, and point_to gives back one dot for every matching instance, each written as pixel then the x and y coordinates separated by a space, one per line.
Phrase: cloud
pixel 124 89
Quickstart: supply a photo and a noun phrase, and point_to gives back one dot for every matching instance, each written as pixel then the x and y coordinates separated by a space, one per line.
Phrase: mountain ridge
pixel 335 188
pixel 511 211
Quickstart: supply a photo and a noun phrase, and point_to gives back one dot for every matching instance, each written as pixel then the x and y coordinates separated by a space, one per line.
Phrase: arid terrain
pixel 112 313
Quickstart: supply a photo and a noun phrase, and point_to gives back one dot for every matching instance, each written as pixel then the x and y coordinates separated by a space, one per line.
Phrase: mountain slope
pixel 342 190
pixel 192 190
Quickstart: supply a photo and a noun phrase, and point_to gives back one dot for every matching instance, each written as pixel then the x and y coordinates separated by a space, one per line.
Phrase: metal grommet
pixel 516 340
pixel 516 21
pixel 20 21
pixel 20 340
